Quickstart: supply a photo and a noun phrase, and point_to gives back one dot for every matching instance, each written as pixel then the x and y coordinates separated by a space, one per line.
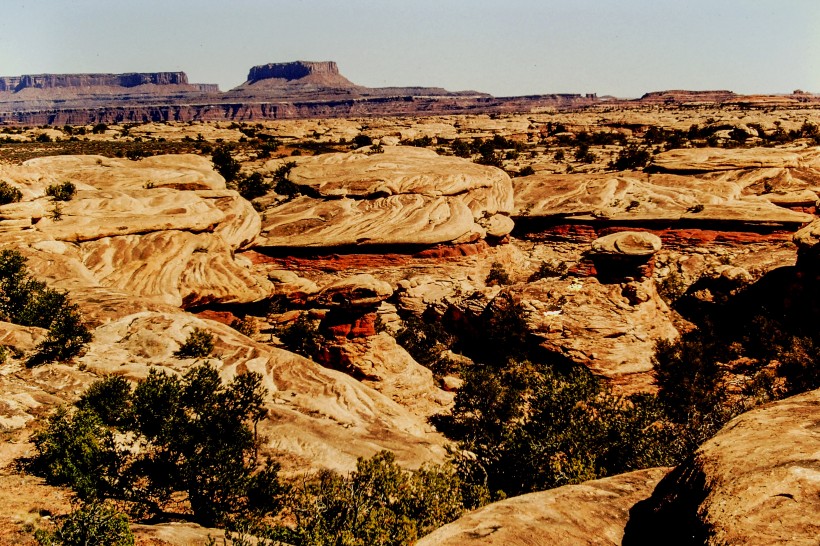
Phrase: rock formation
pixel 401 197
pixel 747 485
pixel 594 512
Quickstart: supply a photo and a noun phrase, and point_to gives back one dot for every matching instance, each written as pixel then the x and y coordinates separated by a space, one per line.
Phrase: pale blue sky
pixel 618 47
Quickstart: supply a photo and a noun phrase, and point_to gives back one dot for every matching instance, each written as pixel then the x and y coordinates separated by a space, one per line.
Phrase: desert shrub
pixel 190 434
pixel 559 155
pixel 672 286
pixel 198 344
pixel 631 158
pixel 282 185
pixel 583 154
pixel 425 341
pixel 526 171
pixel 550 268
pixel 361 140
pixel 378 503
pixel 497 275
pixel 75 449
pixel 61 192
pixel 533 428
pixel 99 128
pixel 461 148
pixel 29 302
pixel 303 337
pixel 253 186
pixel 9 194
pixel 225 164
pixel 91 524
pixel 246 326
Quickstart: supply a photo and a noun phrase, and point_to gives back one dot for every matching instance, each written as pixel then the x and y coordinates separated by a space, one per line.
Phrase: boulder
pixel 593 512
pixel 627 243
pixel 756 482
pixel 362 290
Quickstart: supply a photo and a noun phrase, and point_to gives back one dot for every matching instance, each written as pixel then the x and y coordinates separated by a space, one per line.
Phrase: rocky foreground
pixel 152 248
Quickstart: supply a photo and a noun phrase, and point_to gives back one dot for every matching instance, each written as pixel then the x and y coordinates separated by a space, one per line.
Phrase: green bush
pixel 9 194
pixel 225 164
pixel 91 524
pixel 631 158
pixel 190 434
pixel 425 341
pixel 303 337
pixel 253 186
pixel 198 344
pixel 29 302
pixel 379 503
pixel 533 428
pixel 497 275
pixel 61 192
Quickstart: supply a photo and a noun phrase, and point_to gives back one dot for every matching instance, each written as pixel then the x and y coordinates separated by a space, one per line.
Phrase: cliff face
pixel 55 81
pixel 292 71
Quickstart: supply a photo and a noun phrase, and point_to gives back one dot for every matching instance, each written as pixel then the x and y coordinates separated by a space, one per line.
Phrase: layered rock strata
pixel 407 197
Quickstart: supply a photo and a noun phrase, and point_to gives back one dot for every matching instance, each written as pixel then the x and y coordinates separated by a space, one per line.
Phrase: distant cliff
pixel 293 71
pixel 56 81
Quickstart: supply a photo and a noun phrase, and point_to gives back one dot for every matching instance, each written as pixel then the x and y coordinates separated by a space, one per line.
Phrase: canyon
pixel 369 220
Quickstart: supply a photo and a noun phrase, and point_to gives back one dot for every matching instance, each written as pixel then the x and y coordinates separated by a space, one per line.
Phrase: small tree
pixel 497 275
pixel 61 192
pixel 91 524
pixel 9 194
pixel 225 164
pixel 198 344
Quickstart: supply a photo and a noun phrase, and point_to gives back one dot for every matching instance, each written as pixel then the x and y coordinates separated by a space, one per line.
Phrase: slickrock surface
pixel 610 328
pixel 720 159
pixel 756 482
pixel 163 227
pixel 403 196
pixel 319 417
pixel 593 512
pixel 382 364
pixel 642 197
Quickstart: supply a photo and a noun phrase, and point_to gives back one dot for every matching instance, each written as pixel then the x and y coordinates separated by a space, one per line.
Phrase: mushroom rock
pixel 356 291
pixel 624 254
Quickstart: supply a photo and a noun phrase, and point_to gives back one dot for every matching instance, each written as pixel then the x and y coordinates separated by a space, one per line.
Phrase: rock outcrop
pixel 756 482
pixel 593 512
pixel 401 197
pixel 296 71
pixel 16 84
pixel 164 228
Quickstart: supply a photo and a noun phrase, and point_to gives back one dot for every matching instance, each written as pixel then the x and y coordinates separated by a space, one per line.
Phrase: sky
pixel 512 47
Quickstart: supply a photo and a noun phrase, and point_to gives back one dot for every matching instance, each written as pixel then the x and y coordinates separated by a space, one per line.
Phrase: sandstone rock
pixel 747 485
pixel 609 328
pixel 404 196
pixel 497 225
pixel 398 170
pixel 361 290
pixel 593 512
pixel 320 418
pixel 807 238
pixel 386 367
pixel 721 159
pixel 628 243
pixel 179 171
pixel 641 197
